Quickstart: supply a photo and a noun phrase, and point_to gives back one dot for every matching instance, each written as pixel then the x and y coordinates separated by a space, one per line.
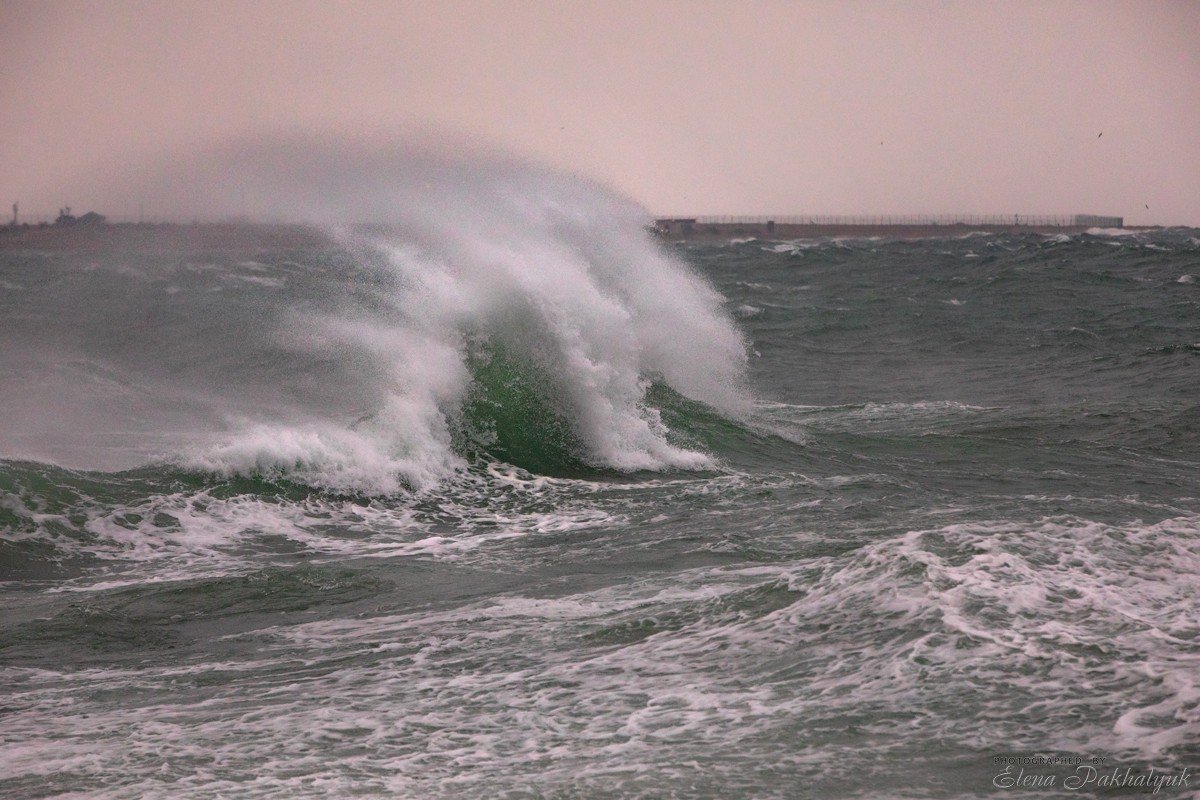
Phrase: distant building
pixel 1093 221
pixel 91 218
pixel 675 227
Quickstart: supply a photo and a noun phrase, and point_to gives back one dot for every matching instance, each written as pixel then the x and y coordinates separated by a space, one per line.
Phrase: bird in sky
pixel 1100 134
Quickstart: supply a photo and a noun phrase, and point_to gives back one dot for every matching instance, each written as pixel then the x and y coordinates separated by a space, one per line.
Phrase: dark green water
pixel 308 537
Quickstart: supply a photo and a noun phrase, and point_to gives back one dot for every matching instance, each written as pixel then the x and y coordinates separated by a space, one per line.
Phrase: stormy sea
pixel 525 503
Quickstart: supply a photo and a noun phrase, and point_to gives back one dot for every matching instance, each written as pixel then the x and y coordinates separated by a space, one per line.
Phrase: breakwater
pixel 903 227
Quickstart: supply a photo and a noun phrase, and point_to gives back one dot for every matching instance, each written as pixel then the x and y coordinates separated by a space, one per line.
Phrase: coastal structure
pixel 90 218
pixel 900 226
pixel 92 232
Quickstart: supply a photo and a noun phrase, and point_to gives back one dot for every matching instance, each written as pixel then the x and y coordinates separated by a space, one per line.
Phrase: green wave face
pixel 511 414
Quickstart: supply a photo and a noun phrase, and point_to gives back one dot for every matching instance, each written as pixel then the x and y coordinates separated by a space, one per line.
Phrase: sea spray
pixel 445 258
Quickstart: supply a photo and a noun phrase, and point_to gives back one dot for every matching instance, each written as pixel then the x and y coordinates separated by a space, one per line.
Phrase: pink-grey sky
pixel 689 107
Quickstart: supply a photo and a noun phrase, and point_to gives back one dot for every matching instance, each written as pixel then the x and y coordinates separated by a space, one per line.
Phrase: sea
pixel 545 507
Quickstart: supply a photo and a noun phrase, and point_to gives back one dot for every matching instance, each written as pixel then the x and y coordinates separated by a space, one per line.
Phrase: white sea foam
pixel 1111 232
pixel 261 280
pixel 331 457
pixel 1059 633
pixel 201 533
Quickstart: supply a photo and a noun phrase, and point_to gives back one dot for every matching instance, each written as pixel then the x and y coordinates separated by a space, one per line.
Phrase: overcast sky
pixel 689 107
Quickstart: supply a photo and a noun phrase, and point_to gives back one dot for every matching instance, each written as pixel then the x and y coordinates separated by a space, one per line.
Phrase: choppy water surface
pixel 561 512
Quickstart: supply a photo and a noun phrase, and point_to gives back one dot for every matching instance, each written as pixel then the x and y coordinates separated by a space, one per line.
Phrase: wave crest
pixel 557 273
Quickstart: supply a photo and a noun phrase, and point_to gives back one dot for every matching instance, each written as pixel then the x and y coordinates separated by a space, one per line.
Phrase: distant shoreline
pixel 163 237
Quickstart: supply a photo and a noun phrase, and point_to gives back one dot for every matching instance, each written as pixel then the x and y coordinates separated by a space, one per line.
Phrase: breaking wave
pixel 487 307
